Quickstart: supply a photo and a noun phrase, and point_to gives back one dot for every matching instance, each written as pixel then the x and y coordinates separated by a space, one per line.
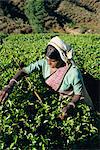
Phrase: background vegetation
pixel 35 12
pixel 71 16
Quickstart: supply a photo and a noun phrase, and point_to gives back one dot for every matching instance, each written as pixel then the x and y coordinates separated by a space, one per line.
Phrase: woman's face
pixel 53 63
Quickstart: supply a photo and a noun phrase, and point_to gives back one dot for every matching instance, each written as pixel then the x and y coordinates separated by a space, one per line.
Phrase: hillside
pixel 69 16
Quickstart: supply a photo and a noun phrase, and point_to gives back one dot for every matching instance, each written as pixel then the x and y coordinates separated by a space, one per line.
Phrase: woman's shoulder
pixel 74 71
pixel 42 61
pixel 73 74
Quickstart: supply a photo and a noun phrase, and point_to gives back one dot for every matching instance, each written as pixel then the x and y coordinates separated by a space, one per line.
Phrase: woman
pixel 60 73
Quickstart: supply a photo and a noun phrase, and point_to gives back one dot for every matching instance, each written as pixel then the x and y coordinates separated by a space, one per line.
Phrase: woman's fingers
pixel 3 96
pixel 62 116
pixel 64 109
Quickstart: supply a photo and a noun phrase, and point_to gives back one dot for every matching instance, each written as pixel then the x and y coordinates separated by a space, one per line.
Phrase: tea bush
pixel 27 123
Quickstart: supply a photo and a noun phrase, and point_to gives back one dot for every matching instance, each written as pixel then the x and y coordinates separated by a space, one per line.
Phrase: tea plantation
pixel 26 123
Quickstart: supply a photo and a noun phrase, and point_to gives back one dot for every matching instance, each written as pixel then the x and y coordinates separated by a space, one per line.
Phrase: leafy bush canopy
pixel 35 12
pixel 25 123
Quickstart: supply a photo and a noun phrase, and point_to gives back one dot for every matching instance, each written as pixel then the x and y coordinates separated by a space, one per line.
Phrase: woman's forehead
pixel 50 47
pixel 50 59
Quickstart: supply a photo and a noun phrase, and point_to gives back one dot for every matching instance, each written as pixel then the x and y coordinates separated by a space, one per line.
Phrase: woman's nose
pixel 49 62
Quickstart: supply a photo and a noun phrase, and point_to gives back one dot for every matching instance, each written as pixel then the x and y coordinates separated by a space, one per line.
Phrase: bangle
pixel 71 103
pixel 7 86
pixel 12 80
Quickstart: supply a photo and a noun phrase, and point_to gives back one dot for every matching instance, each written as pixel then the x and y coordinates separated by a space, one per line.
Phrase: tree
pixel 35 12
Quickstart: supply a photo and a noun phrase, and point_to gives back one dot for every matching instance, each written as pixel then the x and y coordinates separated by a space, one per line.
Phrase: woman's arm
pixel 71 105
pixel 17 77
pixel 8 88
pixel 77 85
pixel 22 72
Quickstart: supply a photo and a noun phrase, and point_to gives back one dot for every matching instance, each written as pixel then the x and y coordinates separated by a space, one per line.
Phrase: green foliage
pixel 25 123
pixel 35 12
pixel 86 49
pixel 3 36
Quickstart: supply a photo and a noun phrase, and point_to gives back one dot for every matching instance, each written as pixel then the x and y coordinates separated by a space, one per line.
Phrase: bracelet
pixel 12 80
pixel 6 87
pixel 71 103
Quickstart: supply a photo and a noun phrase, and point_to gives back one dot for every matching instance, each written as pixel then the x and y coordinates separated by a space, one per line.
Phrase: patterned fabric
pixel 55 79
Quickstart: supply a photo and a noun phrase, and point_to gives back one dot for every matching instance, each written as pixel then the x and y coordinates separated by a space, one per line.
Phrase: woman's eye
pixel 53 61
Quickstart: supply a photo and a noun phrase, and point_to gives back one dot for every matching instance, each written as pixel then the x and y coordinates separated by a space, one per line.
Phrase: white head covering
pixel 65 50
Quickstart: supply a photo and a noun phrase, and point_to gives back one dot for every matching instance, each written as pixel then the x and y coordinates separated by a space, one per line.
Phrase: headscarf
pixel 65 50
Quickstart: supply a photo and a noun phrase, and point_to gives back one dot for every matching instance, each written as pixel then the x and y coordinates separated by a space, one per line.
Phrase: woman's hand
pixel 7 89
pixel 3 96
pixel 67 110
pixel 4 93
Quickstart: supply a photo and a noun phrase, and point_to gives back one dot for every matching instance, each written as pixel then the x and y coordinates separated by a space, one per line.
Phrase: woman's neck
pixel 61 64
pixel 52 70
